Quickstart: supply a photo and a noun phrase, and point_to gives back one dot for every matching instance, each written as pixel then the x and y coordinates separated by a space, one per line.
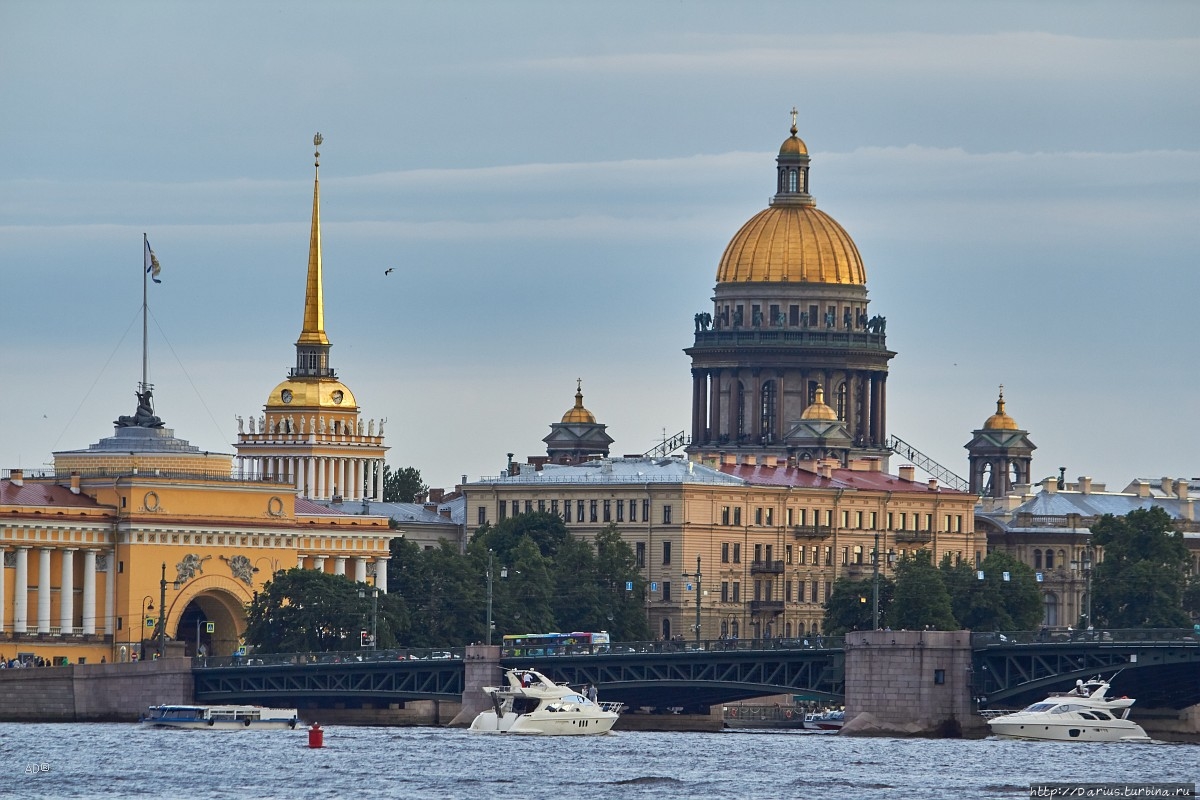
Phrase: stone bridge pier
pixel 910 683
pixel 481 664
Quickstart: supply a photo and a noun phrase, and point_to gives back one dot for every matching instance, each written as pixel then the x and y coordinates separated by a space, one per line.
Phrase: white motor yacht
pixel 531 703
pixel 1084 714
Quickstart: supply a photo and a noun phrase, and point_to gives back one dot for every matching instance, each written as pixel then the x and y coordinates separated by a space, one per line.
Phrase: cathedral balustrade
pixel 774 338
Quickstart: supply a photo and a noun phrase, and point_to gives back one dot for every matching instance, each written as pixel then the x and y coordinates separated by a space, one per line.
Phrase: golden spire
pixel 1000 420
pixel 794 128
pixel 314 299
pixel 579 413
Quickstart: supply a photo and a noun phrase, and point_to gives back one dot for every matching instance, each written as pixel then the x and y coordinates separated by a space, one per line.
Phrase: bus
pixel 554 644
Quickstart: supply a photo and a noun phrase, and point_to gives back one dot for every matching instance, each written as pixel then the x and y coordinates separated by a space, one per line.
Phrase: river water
pixel 124 760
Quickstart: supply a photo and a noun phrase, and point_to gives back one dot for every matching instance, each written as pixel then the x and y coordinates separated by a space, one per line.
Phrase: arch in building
pixel 209 598
pixel 1050 609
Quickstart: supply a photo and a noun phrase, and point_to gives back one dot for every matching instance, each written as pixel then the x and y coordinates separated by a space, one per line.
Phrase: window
pixel 633 510
pixel 858 519
pixel 620 511
pixel 645 510
pixel 503 510
pixel 828 589
pixel 929 522
pixel 799 591
pixel 758 590
pixel 794 316
pixel 758 516
pixel 528 506
pixel 737 515
pixel 566 510
pixel 804 517
pixel 958 523
pixel 874 520
pixel 813 591
pixel 724 515
pixel 801 552
pixel 640 550
pixel 1049 559
pixel 787 553
pixel 542 506
pixel 770 517
pixel 737 592
pixel 891 521
pixel 845 556
pixel 1037 559
pixel 828 555
pixel 724 552
pixel 787 591
pixel 608 510
pixel 829 517
pixel 724 591
pixel 592 507
pixel 758 552
pixel 666 515
pixel 845 519
pixel 554 507
pixel 788 517
pixel 737 552
pixel 666 553
pixel 482 515
pixel 666 590
pixel 579 511
pixel 769 553
pixel 516 508
pixel 903 522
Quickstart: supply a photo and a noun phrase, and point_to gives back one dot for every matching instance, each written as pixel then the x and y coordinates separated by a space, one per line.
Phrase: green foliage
pixel 303 610
pixel 402 485
pixel 993 604
pixel 921 598
pixel 1142 579
pixel 851 605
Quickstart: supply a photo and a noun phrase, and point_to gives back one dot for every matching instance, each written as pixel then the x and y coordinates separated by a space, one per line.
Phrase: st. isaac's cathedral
pixel 142 534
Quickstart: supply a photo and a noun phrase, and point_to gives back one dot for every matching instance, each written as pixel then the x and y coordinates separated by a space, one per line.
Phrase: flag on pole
pixel 152 265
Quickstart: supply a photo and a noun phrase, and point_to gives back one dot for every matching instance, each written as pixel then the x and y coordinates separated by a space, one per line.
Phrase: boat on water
pixel 531 703
pixel 828 720
pixel 1084 714
pixel 221 718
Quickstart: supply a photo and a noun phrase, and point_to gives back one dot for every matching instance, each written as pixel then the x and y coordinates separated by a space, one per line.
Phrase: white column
pixel 66 593
pixel 21 592
pixel 357 479
pixel 110 594
pixel 300 560
pixel 360 569
pixel 43 608
pixel 339 565
pixel 379 478
pixel 319 563
pixel 381 574
pixel 347 471
pixel 310 476
pixel 89 592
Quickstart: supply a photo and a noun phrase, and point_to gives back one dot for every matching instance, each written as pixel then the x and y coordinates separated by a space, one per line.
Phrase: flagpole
pixel 145 272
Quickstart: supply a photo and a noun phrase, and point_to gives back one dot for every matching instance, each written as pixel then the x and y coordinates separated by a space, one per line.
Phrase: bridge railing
pixel 1107 636
pixel 341 657
pixel 677 646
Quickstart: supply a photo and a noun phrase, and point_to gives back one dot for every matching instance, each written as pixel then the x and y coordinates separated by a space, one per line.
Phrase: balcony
pixel 763 607
pixel 766 568
pixel 812 531
pixel 919 537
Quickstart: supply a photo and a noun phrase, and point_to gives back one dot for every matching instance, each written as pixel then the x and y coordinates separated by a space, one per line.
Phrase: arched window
pixel 724 628
pixel 858 554
pixel 666 629
pixel 1050 609
pixel 733 628
pixel 787 630
pixel 842 394
pixel 1049 559
pixel 791 180
pixel 741 410
pixel 1037 559
pixel 767 412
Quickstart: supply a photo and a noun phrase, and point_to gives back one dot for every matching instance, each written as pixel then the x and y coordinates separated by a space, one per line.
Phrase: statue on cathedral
pixel 737 318
pixel 144 416
pixel 846 318
pixel 322 423
pixel 371 428
pixel 302 426
pixel 262 424
pixel 251 421
pixel 780 319
pixel 238 417
pixel 757 318
pixel 312 424
pixel 361 428
pixel 381 421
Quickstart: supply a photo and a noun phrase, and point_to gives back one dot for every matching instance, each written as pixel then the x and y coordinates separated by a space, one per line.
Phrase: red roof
pixel 309 508
pixel 43 494
pixel 760 475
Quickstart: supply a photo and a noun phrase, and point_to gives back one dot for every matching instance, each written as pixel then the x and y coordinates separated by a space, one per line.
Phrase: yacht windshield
pixel 1036 707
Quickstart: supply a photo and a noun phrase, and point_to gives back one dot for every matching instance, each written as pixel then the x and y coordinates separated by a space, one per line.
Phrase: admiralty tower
pixel 310 433
pixel 789 319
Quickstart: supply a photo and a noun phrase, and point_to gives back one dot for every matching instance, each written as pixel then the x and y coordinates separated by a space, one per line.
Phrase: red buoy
pixel 316 736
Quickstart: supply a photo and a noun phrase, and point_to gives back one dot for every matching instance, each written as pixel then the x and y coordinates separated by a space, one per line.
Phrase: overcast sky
pixel 554 184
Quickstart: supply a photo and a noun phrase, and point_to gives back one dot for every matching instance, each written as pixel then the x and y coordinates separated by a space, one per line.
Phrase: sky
pixel 553 184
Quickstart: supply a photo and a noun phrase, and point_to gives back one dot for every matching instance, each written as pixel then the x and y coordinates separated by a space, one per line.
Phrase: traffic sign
pixel 211 627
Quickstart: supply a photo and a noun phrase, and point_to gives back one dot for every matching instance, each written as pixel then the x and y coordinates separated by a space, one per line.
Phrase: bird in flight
pixel 388 271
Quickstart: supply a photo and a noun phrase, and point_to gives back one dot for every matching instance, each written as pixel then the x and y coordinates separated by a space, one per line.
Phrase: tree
pixel 616 568
pixel 851 604
pixel 303 610
pixel 993 604
pixel 1141 581
pixel 921 597
pixel 402 485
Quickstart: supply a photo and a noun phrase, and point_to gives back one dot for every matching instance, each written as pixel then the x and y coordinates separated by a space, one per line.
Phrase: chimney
pixel 17 476
pixel 933 484
pixel 770 461
pixel 824 470
pixel 791 462
pixel 464 481
pixel 908 473
pixel 74 483
pixel 1168 487
pixel 445 512
pixel 1085 484
pixel 1050 485
pixel 1181 488
pixel 436 495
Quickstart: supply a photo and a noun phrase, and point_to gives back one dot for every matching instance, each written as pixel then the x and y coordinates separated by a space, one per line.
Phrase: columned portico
pixel 66 595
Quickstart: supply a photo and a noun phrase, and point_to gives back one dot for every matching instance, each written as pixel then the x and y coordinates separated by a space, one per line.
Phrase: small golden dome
pixel 578 413
pixel 796 243
pixel 793 145
pixel 330 394
pixel 818 409
pixel 1000 421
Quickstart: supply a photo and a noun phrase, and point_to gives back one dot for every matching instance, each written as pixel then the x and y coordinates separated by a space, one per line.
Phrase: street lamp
pixel 362 593
pixel 891 560
pixel 145 608
pixel 1084 565
pixel 697 576
pixel 162 607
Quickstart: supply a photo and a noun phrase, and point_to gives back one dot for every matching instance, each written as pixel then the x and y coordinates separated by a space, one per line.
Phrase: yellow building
pixel 143 528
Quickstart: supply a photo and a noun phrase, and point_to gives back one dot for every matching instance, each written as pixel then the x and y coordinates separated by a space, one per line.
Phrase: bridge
pixel 1159 667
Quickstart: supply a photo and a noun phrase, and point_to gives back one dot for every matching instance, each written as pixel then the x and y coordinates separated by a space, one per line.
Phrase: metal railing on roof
pixel 927 464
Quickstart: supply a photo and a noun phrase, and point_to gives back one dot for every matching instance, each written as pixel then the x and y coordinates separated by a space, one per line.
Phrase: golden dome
pixel 818 409
pixel 795 243
pixel 578 413
pixel 330 394
pixel 1000 421
pixel 793 145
